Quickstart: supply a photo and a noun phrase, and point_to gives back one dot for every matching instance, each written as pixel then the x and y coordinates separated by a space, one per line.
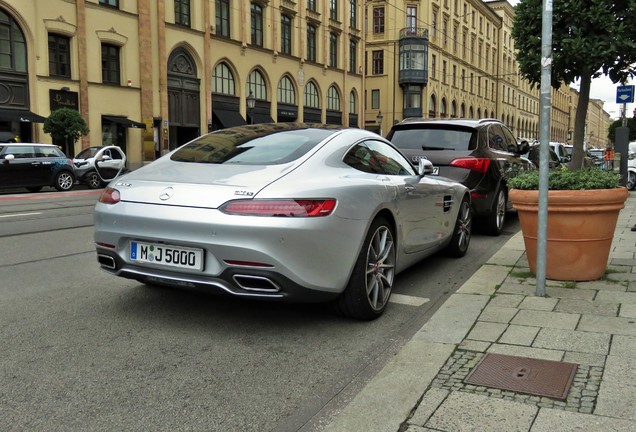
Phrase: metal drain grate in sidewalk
pixel 524 375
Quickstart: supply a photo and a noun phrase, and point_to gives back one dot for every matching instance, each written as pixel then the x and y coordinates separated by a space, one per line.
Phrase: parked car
pixel 561 151
pixel 33 166
pixel 476 153
pixel 111 162
pixel 288 212
pixel 597 156
pixel 534 154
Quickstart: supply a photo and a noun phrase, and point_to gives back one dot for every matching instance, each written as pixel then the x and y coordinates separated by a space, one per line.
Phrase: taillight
pixel 474 164
pixel 281 207
pixel 109 196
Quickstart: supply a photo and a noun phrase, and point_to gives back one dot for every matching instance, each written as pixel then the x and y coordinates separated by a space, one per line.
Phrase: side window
pixel 376 157
pixel 47 152
pixel 495 138
pixel 509 138
pixel 21 152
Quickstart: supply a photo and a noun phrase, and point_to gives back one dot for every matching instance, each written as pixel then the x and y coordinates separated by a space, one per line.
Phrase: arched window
pixel 312 99
pixel 453 111
pixel 353 106
pixel 223 80
pixel 431 106
pixel 256 85
pixel 442 108
pixel 13 54
pixel 286 92
pixel 333 99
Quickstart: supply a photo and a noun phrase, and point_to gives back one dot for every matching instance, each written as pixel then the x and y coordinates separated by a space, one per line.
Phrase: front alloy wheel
pixel 631 180
pixel 64 181
pixel 93 181
pixel 369 288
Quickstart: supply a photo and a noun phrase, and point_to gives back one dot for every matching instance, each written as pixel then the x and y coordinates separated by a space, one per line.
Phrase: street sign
pixel 625 94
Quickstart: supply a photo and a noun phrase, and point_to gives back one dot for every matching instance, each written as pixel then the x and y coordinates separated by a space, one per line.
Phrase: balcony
pixel 413 56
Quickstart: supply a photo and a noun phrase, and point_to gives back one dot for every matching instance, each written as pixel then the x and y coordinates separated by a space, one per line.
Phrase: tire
pixel 494 222
pixel 92 180
pixel 34 188
pixel 631 180
pixel 371 282
pixel 460 240
pixel 64 181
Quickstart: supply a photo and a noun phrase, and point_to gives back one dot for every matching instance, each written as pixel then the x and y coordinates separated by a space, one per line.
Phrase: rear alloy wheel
pixel 93 181
pixel 631 180
pixel 494 222
pixel 463 228
pixel 369 288
pixel 64 181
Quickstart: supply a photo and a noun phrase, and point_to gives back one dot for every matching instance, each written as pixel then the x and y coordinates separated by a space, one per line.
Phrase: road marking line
pixel 408 300
pixel 20 214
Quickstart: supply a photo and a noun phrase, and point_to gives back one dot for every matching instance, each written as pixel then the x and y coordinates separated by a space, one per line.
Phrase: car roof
pixel 458 122
pixel 27 143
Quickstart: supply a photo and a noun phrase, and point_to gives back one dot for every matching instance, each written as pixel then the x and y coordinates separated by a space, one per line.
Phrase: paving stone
pixel 628 311
pixel 579 306
pixel 604 324
pixel 516 288
pixel 497 314
pixel 519 335
pixel 469 412
pixel 430 401
pixel 584 358
pixel 506 300
pixel 550 420
pixel 477 346
pixel 538 303
pixel 506 256
pixel 603 285
pixel 623 345
pixel 546 319
pixel 522 351
pixel 572 340
pixel 616 297
pixel 487 331
pixel 571 293
pixel 615 400
pixel 620 370
pixel 485 280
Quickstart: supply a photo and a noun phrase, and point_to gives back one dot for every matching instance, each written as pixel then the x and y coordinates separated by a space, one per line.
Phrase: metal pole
pixel 544 150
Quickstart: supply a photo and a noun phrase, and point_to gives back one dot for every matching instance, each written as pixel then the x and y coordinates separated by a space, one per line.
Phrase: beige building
pixel 149 75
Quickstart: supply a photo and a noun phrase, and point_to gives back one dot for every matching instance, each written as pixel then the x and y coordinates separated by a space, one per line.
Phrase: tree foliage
pixel 65 125
pixel 590 38
pixel 631 124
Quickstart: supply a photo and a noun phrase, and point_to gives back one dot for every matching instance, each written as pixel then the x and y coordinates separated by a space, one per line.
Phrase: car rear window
pixel 433 139
pixel 258 147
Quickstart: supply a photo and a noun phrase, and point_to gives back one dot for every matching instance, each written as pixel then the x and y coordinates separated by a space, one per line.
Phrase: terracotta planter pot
pixel 580 229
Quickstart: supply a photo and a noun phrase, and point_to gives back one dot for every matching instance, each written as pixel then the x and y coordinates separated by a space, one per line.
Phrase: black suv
pixel 476 153
pixel 34 166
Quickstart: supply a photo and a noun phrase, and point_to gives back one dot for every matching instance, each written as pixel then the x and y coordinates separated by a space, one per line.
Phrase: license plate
pixel 166 255
pixel 435 170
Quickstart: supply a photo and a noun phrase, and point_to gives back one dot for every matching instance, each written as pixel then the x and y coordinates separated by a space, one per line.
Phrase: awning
pixel 20 116
pixel 261 118
pixel 125 121
pixel 228 118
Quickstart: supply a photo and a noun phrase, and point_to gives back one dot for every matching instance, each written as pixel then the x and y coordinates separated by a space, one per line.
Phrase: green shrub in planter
pixel 565 179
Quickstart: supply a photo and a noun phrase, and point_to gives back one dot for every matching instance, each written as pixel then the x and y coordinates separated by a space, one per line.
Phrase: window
pixel 311 5
pixel 455 32
pixel 257 25
pixel 377 64
pixel 256 85
pixel 285 34
pixel 12 45
pixel 110 64
pixel 223 80
pixel 113 3
pixel 433 73
pixel 378 20
pixel 353 14
pixel 454 76
pixel 286 92
pixel 375 99
pixel 376 157
pixel 353 56
pixel 333 99
pixel 311 43
pixel 333 50
pixel 59 56
pixel 353 107
pixel 333 9
pixel 444 71
pixel 445 31
pixel 434 25
pixel 223 18
pixel 311 96
pixel 411 19
pixel 182 12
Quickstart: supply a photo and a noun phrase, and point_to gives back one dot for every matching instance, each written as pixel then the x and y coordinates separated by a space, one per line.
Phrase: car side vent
pixel 448 203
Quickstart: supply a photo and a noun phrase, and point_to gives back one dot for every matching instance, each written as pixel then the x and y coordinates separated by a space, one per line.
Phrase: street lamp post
pixel 379 118
pixel 250 106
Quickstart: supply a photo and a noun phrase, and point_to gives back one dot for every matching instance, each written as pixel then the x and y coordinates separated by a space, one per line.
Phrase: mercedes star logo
pixel 166 194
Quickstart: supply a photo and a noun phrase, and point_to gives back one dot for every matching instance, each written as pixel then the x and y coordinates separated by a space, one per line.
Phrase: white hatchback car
pixel 112 163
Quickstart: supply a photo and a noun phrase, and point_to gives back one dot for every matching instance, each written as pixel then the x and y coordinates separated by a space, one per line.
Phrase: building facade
pixel 149 75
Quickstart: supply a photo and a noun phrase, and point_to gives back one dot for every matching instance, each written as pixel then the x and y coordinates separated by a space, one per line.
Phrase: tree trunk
pixel 578 151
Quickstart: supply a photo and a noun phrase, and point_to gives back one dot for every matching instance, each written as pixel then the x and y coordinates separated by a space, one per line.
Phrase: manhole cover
pixel 524 375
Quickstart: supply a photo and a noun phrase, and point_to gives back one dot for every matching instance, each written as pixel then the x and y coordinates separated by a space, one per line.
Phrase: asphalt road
pixel 82 350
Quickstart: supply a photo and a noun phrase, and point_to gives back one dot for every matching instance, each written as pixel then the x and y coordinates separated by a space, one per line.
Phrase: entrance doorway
pixel 183 99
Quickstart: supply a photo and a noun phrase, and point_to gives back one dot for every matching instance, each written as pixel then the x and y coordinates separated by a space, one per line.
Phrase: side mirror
pixel 424 167
pixel 9 157
pixel 523 147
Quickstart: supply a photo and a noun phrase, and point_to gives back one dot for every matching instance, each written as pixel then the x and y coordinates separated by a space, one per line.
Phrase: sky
pixel 603 88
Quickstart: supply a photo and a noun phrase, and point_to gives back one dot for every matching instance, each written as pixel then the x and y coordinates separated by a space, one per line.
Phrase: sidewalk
pixel 589 324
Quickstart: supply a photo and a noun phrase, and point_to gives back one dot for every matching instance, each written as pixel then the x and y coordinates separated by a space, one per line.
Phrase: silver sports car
pixel 285 211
